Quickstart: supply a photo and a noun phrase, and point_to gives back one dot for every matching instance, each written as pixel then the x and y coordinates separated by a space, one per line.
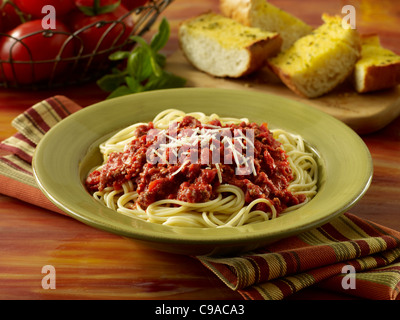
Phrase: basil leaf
pixel 166 81
pixel 110 82
pixel 120 91
pixel 161 60
pixel 151 56
pixel 160 39
pixel 119 55
pixel 133 84
pixel 155 66
pixel 143 67
pixel 141 41
pixel 139 64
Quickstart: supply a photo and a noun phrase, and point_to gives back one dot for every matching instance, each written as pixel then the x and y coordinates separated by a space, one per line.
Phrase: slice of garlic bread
pixel 222 47
pixel 267 17
pixel 377 69
pixel 318 62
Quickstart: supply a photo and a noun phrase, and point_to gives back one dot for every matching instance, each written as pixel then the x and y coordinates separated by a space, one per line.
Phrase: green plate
pixel 70 149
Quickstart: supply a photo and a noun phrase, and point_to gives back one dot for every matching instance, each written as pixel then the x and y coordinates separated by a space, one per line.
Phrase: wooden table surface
pixel 92 264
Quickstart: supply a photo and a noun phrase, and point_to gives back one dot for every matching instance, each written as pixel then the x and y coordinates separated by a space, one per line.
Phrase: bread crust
pixel 381 77
pixel 287 80
pixel 260 51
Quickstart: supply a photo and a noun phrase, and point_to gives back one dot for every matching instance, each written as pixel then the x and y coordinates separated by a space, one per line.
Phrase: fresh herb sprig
pixel 144 69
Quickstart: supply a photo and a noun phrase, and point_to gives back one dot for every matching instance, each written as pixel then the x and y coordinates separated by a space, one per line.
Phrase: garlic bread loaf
pixel 378 68
pixel 223 47
pixel 267 17
pixel 316 63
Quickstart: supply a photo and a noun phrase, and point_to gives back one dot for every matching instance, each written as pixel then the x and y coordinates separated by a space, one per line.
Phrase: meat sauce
pixel 198 182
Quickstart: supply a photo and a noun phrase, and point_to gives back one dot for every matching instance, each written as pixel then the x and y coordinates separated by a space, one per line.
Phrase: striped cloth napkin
pixel 347 255
pixel 16 152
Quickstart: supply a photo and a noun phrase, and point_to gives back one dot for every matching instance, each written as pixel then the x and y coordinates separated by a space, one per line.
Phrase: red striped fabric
pixel 18 145
pixel 16 176
pixel 321 257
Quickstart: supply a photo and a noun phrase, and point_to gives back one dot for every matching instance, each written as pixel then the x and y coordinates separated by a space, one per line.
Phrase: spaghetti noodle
pixel 190 169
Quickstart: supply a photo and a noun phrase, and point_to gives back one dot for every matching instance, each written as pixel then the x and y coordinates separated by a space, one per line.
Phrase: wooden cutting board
pixel 364 113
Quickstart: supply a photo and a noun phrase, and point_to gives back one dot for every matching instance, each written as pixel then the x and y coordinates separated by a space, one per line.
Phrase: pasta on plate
pixel 197 170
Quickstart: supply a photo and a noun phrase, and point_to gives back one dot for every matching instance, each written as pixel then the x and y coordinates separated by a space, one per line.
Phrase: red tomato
pixel 9 17
pixel 97 35
pixel 29 42
pixel 34 7
pixel 133 4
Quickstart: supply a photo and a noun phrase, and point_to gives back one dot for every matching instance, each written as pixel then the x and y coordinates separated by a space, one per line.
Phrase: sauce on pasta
pixel 202 162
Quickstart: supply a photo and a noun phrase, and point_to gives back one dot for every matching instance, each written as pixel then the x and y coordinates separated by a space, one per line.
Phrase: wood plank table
pixel 92 264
